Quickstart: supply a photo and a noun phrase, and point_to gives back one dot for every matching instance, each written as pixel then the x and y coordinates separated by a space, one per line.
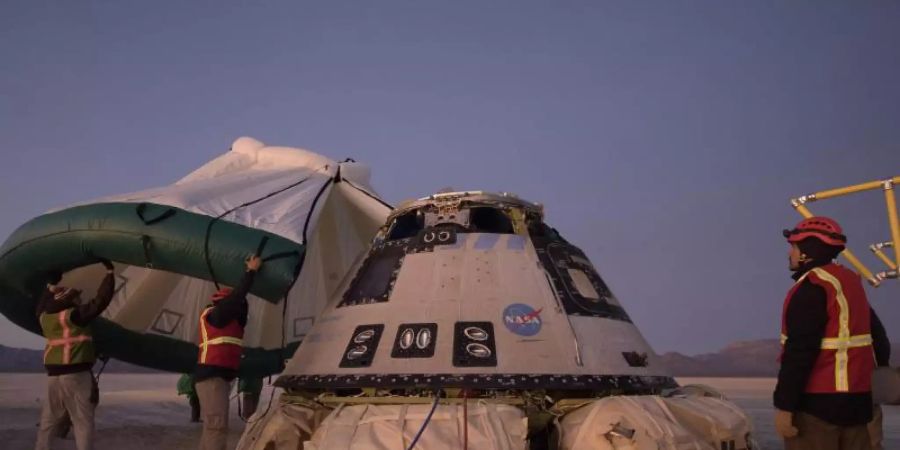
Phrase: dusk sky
pixel 664 138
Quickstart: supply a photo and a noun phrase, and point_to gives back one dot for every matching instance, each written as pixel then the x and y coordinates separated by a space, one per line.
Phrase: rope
pixel 284 305
pixel 437 398
pixel 95 386
pixel 297 270
pixel 313 208
pixel 466 419
pixel 105 360
pixel 243 205
pixel 169 212
pixel 368 194
pixel 262 244
pixel 268 407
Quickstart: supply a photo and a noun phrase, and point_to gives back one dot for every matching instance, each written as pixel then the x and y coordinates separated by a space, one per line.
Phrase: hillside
pixel 25 360
pixel 739 359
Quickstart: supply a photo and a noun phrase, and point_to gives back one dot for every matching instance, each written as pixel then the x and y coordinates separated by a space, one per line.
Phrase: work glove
pixel 784 424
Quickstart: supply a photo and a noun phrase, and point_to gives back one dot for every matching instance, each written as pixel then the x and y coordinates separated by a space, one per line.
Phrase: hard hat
pixel 819 227
pixel 221 293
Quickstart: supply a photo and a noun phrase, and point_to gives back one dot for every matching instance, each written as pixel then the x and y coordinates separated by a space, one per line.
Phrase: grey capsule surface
pixel 475 289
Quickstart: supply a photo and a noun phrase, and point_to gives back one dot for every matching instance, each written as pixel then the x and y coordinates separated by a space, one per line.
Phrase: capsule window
pixel 583 284
pixel 576 282
pixel 376 278
pixel 489 220
pixel 407 225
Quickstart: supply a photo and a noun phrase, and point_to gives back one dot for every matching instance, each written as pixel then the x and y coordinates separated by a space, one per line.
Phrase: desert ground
pixel 754 395
pixel 143 412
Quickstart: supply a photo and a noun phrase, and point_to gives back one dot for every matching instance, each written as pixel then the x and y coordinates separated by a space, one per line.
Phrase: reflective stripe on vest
pixel 844 340
pixel 223 340
pixel 206 342
pixel 860 340
pixel 67 341
pixel 841 359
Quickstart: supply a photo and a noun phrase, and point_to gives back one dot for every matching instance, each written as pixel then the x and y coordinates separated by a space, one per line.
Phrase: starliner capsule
pixel 471 323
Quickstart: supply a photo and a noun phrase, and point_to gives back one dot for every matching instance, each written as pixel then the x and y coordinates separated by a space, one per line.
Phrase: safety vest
pixel 221 347
pixel 846 359
pixel 67 343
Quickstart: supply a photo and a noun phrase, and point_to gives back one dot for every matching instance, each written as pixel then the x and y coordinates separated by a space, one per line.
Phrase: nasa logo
pixel 522 319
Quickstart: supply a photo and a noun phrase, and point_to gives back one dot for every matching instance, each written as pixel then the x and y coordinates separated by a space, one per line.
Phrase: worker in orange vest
pixel 220 348
pixel 830 340
pixel 69 357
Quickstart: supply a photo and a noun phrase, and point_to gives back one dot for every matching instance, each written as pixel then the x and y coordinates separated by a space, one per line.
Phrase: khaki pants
pixel 816 434
pixel 68 397
pixel 876 431
pixel 213 395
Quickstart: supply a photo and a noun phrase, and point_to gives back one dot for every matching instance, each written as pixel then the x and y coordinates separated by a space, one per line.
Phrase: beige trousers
pixel 817 434
pixel 68 397
pixel 213 394
pixel 875 427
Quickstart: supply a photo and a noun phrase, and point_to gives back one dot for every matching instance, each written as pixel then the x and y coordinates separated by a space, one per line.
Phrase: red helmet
pixel 819 227
pixel 221 293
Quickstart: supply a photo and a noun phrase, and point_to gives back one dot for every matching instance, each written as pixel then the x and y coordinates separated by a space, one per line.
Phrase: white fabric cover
pixel 392 427
pixel 343 224
pixel 285 426
pixel 250 171
pixel 715 420
pixel 658 423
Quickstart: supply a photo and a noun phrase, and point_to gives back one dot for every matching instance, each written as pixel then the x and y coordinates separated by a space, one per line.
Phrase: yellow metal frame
pixel 876 249
pixel 890 199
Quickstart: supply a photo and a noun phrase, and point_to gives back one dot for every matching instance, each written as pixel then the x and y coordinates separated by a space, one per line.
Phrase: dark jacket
pixel 82 315
pixel 232 307
pixel 806 320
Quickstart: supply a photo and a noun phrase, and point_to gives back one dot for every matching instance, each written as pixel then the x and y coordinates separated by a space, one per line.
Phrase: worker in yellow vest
pixel 69 356
pixel 221 333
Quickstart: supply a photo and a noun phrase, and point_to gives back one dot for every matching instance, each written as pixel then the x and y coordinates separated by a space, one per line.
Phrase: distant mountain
pixel 28 361
pixel 740 359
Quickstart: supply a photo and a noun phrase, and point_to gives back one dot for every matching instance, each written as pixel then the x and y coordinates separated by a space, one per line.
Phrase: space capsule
pixel 472 323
